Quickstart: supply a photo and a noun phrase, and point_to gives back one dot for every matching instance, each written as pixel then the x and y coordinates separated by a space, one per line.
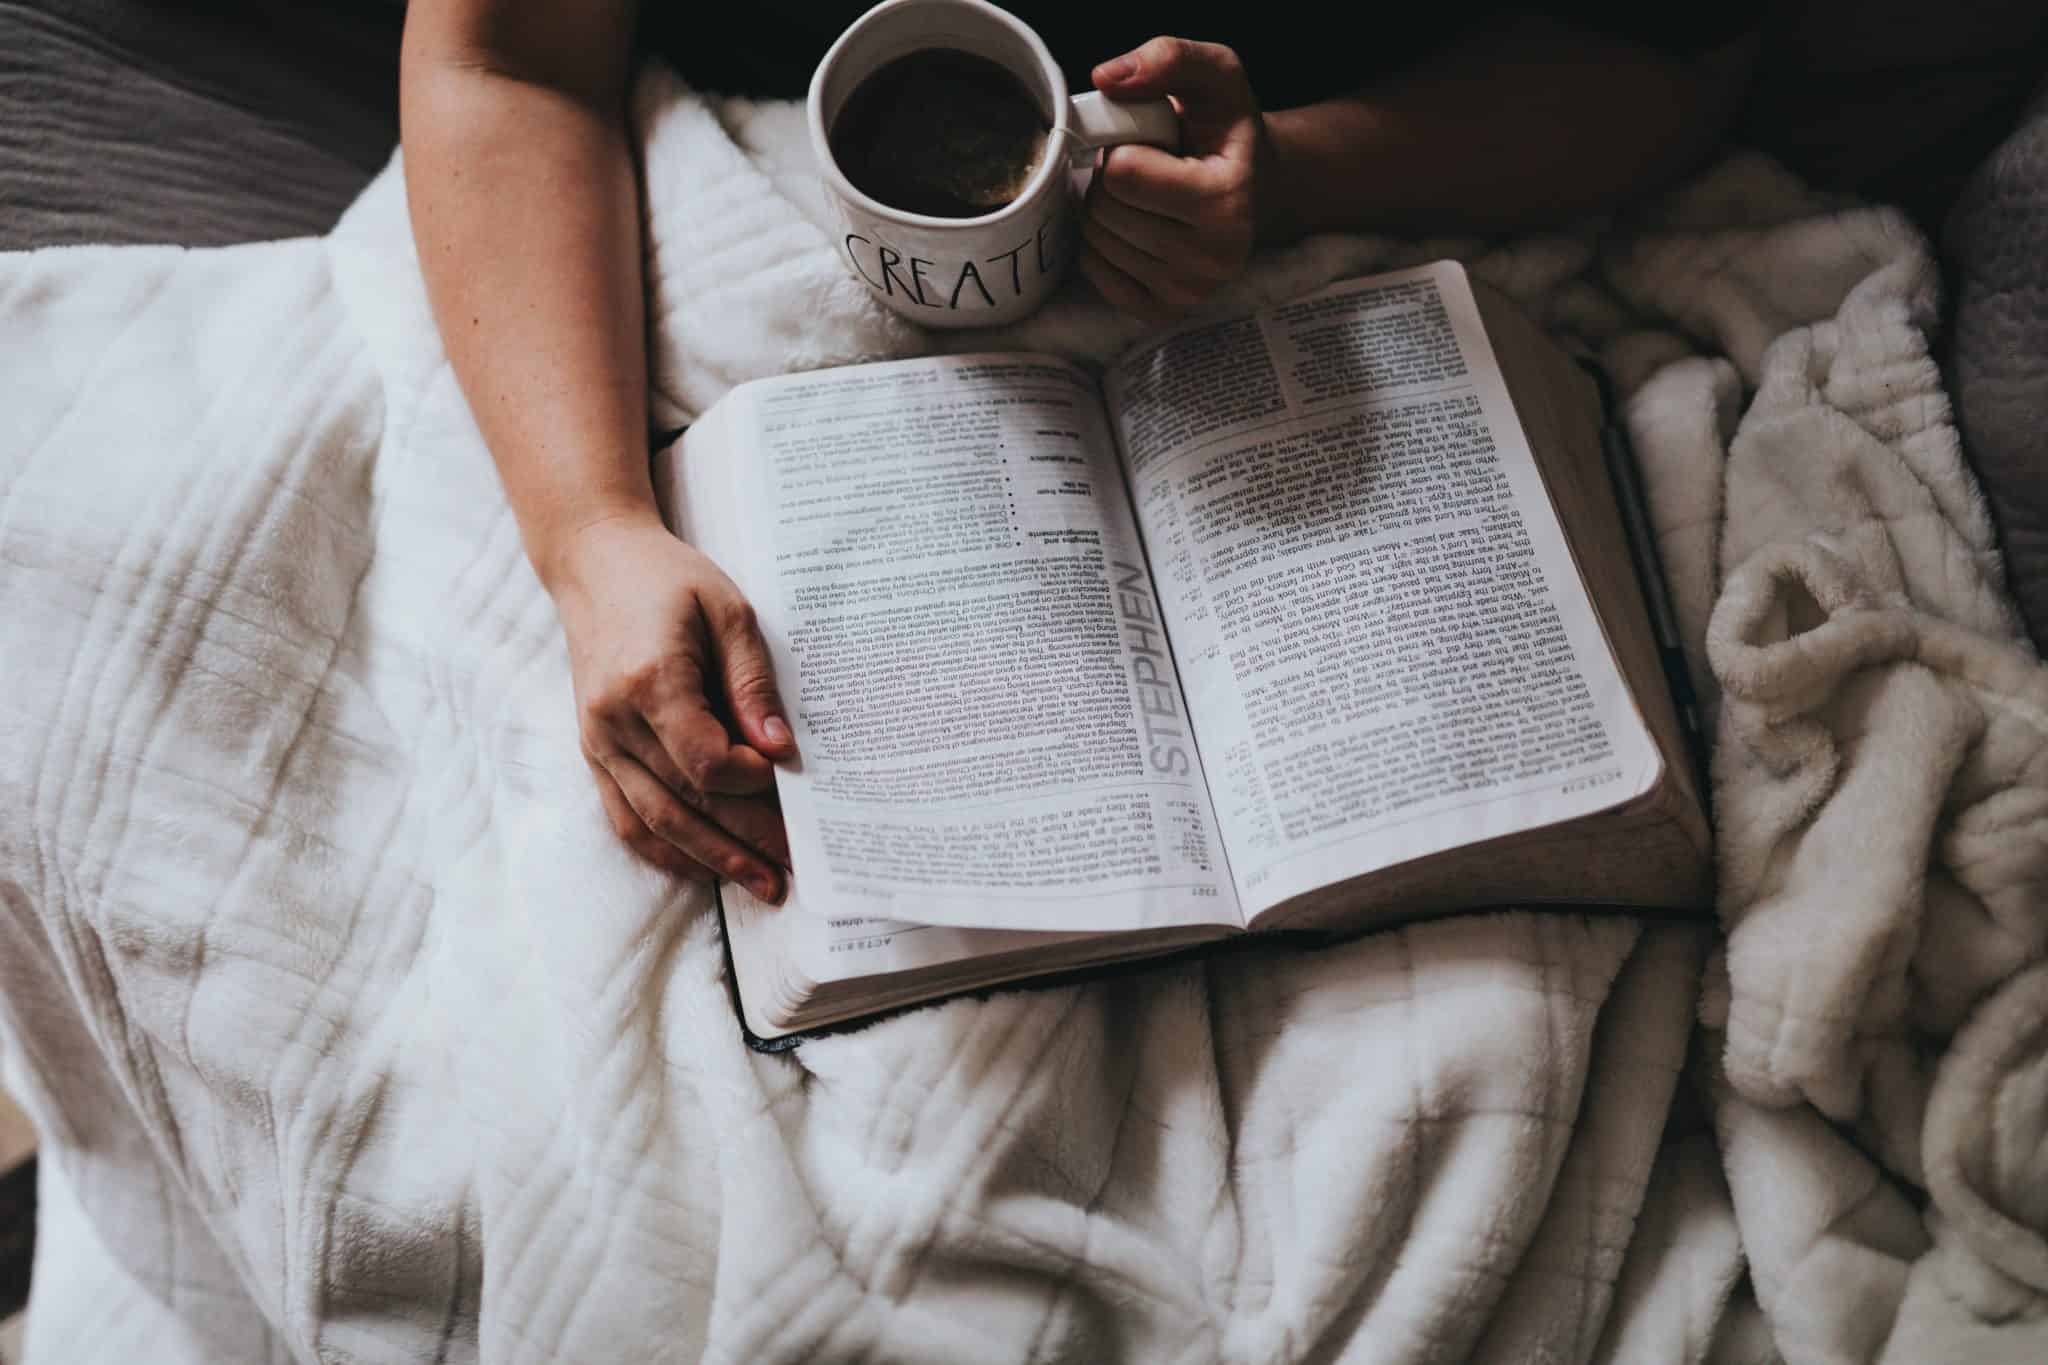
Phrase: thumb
pixel 1200 72
pixel 749 677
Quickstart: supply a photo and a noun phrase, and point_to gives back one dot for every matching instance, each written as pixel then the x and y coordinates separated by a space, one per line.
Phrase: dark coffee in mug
pixel 941 132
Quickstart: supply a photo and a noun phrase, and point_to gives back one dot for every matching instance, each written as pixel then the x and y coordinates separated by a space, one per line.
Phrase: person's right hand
pixel 676 703
pixel 1164 230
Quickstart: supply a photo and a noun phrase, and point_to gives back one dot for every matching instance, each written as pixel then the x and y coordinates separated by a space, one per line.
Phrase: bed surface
pixel 125 122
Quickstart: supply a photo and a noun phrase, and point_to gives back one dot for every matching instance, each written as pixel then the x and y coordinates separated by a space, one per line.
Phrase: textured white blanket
pixel 354 1035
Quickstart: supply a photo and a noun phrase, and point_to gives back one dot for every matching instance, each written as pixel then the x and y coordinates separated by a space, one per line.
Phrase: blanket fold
pixel 356 1036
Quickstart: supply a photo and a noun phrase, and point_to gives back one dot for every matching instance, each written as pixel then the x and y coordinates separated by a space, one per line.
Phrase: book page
pixel 840 947
pixel 1387 648
pixel 795 970
pixel 947 572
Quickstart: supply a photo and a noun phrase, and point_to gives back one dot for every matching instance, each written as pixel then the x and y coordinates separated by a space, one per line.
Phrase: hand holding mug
pixel 946 256
pixel 1161 231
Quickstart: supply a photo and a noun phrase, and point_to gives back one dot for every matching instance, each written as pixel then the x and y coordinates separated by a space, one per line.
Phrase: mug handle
pixel 1095 122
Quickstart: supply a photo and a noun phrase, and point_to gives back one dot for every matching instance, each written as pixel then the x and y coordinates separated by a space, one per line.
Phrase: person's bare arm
pixel 1522 125
pixel 1527 124
pixel 525 208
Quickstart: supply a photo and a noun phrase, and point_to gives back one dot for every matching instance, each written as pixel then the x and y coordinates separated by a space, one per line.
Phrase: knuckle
pixel 668 823
pixel 1231 190
pixel 1164 49
pixel 1122 174
pixel 751 683
pixel 748 666
pixel 1224 58
pixel 641 683
pixel 596 711
pixel 729 612
pixel 740 619
pixel 698 770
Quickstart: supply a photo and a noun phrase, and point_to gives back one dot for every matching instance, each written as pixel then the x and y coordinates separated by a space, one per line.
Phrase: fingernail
pixel 1110 73
pixel 778 730
pixel 765 887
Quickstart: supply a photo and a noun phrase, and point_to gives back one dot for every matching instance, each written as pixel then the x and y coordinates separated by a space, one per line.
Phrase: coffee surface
pixel 941 132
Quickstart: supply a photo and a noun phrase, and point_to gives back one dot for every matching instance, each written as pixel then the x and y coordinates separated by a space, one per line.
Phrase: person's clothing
pixel 771 47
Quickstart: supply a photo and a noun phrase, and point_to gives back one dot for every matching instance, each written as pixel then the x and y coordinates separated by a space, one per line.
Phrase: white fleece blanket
pixel 354 1036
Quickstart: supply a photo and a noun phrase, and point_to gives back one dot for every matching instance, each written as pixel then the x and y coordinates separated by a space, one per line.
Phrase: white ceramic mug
pixel 969 272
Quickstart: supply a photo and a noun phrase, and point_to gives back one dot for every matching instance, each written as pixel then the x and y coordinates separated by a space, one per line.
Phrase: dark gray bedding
pixel 125 122
pixel 1996 248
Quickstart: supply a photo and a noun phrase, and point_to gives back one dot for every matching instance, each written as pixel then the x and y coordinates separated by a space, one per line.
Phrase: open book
pixel 1318 618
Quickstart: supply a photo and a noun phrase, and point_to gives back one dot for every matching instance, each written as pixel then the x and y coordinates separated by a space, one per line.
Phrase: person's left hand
pixel 1161 232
